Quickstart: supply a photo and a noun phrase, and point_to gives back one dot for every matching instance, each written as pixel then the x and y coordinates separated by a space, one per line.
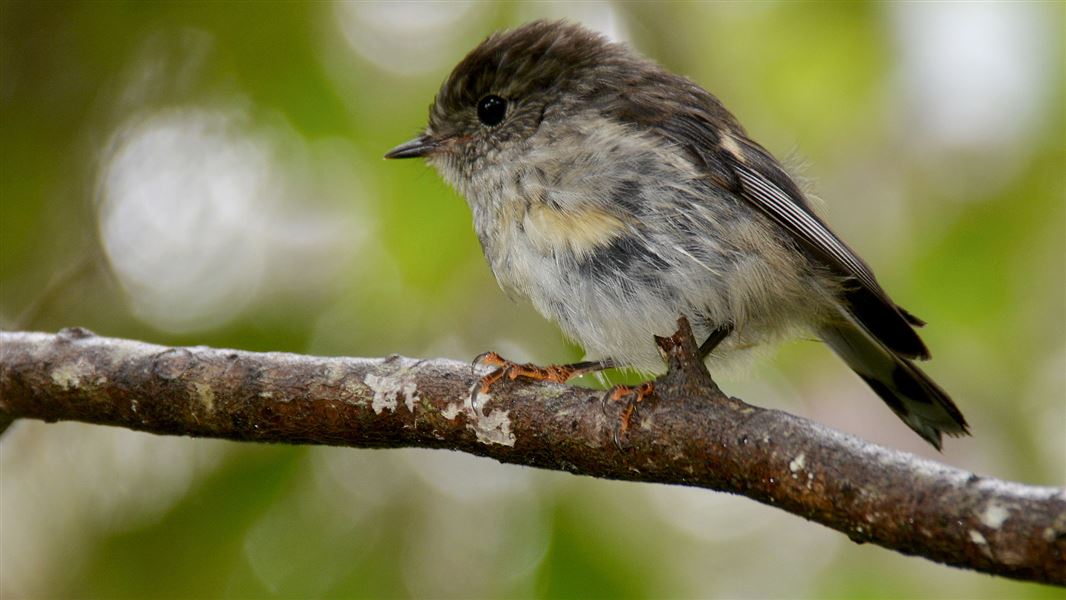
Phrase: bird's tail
pixel 908 391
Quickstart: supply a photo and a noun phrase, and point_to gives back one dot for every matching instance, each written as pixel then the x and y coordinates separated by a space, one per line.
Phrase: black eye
pixel 491 110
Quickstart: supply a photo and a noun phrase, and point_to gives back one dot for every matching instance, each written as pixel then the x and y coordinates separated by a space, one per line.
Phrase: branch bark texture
pixel 688 433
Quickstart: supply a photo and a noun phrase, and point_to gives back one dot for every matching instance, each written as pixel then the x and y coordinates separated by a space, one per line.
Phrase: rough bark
pixel 688 433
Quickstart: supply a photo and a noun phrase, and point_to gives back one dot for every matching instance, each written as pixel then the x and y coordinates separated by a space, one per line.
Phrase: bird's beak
pixel 420 146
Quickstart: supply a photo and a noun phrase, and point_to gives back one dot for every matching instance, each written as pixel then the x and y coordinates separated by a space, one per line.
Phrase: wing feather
pixel 801 223
pixel 697 122
pixel 867 300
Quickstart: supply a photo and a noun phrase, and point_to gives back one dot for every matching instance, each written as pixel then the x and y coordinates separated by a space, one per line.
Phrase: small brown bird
pixel 618 196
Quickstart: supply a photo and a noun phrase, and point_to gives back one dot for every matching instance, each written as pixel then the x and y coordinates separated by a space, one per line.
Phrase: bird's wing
pixel 866 300
pixel 801 222
pixel 730 159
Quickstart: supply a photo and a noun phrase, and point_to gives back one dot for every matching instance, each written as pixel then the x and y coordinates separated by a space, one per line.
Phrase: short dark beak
pixel 420 146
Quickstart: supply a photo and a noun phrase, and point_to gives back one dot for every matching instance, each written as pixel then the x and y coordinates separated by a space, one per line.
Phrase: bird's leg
pixel 716 337
pixel 512 371
pixel 634 395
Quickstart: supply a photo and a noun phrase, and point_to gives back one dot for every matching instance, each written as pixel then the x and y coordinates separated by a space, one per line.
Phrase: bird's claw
pixel 512 370
pixel 488 359
pixel 634 395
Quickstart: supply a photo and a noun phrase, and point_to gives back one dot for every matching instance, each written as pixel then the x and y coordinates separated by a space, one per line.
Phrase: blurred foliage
pixel 972 236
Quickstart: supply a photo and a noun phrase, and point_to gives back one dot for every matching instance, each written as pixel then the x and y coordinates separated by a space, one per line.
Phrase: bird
pixel 617 196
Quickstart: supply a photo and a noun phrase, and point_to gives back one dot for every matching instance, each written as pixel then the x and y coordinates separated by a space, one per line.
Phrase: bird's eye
pixel 491 110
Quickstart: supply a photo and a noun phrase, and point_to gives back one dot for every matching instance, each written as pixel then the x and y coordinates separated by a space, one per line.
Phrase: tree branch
pixel 689 433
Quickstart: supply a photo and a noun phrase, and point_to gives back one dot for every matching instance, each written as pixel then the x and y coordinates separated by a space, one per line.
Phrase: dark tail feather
pixel 890 324
pixel 908 391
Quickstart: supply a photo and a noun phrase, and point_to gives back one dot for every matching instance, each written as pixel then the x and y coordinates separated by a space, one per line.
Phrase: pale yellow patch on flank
pixel 579 231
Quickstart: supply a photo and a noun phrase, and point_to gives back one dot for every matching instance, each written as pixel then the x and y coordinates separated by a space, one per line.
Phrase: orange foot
pixel 634 395
pixel 512 371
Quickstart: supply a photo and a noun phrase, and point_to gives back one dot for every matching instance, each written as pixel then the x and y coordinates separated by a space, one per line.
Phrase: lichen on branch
pixel 688 433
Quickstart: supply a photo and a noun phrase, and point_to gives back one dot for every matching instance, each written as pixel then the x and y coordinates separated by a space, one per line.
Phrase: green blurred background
pixel 211 173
